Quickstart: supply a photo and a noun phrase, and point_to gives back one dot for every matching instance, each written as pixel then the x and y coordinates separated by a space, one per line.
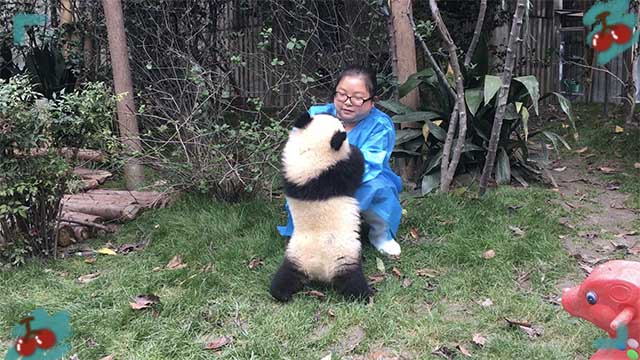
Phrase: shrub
pixel 32 182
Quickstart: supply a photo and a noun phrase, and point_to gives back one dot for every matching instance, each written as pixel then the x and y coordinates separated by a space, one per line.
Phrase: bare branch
pixel 448 169
pixel 476 34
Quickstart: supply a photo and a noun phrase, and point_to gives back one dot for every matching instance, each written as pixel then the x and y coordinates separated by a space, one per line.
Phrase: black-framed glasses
pixel 355 100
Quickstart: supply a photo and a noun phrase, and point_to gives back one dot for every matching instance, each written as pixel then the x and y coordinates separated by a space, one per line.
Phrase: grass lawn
pixel 411 315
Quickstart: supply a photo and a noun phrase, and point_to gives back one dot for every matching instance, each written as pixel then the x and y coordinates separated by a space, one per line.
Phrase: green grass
pixel 444 310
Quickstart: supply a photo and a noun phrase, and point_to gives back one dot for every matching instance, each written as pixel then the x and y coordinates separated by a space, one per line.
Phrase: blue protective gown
pixel 375 137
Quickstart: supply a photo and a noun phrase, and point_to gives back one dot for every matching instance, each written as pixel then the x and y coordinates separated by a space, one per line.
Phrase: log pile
pixel 86 214
pixel 92 178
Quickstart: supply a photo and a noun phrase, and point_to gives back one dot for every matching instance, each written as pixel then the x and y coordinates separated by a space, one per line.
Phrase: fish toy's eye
pixel 592 298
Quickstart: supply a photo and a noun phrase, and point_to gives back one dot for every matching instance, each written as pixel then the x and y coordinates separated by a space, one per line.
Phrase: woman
pixel 372 132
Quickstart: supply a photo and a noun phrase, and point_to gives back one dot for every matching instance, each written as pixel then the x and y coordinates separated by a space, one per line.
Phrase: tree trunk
pixel 632 86
pixel 405 65
pixel 127 122
pixel 502 96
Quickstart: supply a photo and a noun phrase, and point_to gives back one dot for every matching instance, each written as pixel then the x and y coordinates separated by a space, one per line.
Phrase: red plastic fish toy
pixel 609 298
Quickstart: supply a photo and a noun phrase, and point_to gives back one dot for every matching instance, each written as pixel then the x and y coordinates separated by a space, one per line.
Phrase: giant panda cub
pixel 322 172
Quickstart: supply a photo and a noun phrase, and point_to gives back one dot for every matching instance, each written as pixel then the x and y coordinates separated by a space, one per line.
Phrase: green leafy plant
pixel 515 158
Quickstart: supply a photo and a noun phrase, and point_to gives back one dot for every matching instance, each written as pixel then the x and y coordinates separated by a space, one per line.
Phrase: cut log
pixel 65 235
pixel 152 199
pixel 106 211
pixel 76 216
pixel 80 232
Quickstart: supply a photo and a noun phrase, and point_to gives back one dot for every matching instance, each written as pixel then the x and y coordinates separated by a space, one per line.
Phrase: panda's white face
pixel 308 152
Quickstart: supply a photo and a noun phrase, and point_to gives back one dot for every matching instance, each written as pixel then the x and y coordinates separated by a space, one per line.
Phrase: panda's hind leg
pixel 287 281
pixel 351 283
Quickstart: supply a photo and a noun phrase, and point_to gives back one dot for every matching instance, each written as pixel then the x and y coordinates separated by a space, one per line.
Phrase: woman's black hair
pixel 360 71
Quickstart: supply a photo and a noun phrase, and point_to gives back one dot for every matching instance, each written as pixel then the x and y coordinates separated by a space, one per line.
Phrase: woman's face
pixel 355 89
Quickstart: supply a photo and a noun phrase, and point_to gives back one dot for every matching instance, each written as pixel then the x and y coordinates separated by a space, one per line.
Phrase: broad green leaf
pixel 533 87
pixel 415 117
pixel 436 130
pixel 413 81
pixel 511 113
pixel 395 106
pixel 404 135
pixel 518 106
pixel 474 99
pixel 525 122
pixel 503 169
pixel 565 105
pixel 430 182
pixel 434 162
pixel 491 86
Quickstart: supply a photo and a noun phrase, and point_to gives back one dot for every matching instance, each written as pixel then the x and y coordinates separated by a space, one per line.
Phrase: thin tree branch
pixel 476 34
pixel 432 60
pixel 447 169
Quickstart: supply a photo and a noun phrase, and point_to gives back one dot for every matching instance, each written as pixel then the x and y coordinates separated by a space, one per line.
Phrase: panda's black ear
pixel 337 139
pixel 303 120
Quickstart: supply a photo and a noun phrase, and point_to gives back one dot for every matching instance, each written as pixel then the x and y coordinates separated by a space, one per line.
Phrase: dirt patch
pixel 600 227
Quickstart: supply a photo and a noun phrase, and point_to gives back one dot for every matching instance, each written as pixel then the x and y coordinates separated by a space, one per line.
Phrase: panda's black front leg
pixel 352 284
pixel 287 281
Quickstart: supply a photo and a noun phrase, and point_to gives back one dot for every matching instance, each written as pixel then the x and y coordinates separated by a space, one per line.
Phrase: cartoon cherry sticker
pixel 42 338
pixel 45 339
pixel 620 33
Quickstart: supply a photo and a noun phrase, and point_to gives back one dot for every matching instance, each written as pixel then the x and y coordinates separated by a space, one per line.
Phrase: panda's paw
pixel 283 296
pixel 353 285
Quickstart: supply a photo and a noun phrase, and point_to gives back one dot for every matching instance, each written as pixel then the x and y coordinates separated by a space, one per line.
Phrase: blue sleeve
pixel 375 150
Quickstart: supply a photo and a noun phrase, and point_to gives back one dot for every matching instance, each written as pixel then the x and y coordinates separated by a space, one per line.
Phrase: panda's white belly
pixel 325 235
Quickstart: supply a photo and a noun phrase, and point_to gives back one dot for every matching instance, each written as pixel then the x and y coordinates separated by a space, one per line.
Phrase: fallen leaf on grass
pixel 176 263
pixel 380 265
pixel 636 165
pixel 584 149
pixel 108 357
pixel 354 336
pixel 106 251
pixel 406 282
pixel 479 340
pixel 255 262
pixel 414 233
pixel 331 313
pixel 486 302
pixel 127 248
pixel 623 234
pixel 87 278
pixel 430 273
pixel 463 350
pixel 144 301
pixel 207 268
pixel 489 254
pixel 532 330
pixel 218 343
pixel 328 357
pixel 516 230
pixel 376 278
pixel 443 351
pixel 396 272
pixel 560 169
pixel 618 129
pixel 90 260
pixel 612 186
pixel 607 170
pixel 315 293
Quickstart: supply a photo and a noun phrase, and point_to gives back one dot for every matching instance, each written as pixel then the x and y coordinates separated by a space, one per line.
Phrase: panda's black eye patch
pixel 303 120
pixel 337 139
